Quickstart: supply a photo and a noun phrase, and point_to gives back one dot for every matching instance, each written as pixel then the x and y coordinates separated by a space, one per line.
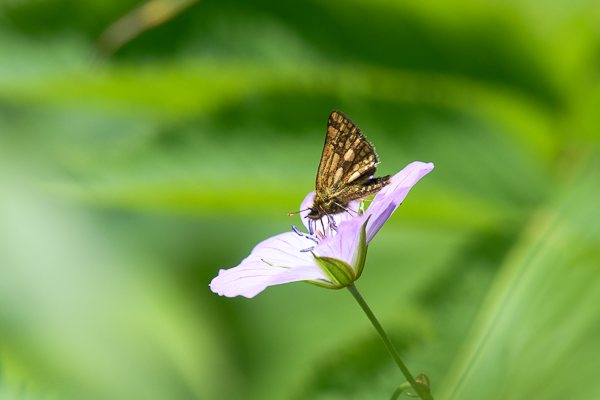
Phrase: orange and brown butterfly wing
pixel 348 158
pixel 346 170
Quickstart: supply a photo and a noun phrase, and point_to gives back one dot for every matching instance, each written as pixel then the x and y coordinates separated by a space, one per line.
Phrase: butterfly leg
pixel 323 234
pixel 348 210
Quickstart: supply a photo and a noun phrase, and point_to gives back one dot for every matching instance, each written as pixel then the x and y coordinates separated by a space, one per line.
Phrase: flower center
pixel 326 226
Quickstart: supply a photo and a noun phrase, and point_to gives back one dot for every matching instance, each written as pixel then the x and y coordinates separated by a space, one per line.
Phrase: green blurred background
pixel 144 146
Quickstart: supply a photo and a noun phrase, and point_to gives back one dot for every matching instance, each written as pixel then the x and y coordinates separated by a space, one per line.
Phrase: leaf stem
pixel 419 389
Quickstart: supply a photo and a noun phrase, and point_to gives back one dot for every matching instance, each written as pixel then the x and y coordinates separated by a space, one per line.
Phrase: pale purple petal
pixel 306 203
pixel 274 261
pixel 310 273
pixel 325 222
pixel 247 279
pixel 391 196
pixel 283 250
pixel 345 245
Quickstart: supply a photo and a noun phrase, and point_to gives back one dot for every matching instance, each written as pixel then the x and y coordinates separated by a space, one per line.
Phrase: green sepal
pixel 340 273
pixel 361 256
pixel 324 284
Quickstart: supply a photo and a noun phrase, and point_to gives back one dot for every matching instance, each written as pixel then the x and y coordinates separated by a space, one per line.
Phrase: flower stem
pixel 419 389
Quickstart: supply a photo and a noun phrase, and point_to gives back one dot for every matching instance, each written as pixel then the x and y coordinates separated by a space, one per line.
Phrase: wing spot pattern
pixel 338 174
pixel 349 155
pixel 354 176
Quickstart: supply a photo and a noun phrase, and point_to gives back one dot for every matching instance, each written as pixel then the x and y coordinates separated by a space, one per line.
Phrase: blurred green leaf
pixel 535 336
pixel 76 320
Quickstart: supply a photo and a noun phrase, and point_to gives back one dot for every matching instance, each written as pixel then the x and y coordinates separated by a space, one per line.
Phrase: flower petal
pixel 391 196
pixel 274 261
pixel 283 250
pixel 325 221
pixel 345 244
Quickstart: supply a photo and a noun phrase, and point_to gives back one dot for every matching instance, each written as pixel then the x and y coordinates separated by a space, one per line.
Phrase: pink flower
pixel 331 254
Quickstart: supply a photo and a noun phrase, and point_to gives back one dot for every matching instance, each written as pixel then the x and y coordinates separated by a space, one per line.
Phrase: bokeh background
pixel 144 146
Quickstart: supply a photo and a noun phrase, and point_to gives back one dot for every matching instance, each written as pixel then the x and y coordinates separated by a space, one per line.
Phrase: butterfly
pixel 346 170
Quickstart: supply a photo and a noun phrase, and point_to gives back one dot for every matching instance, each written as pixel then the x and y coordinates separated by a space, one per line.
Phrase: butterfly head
pixel 323 206
pixel 314 213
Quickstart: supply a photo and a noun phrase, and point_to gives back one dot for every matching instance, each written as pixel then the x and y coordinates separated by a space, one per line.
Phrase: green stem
pixel 420 390
pixel 396 394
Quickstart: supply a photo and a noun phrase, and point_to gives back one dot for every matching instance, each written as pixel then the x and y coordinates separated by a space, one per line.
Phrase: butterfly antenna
pixel 298 212
pixel 322 225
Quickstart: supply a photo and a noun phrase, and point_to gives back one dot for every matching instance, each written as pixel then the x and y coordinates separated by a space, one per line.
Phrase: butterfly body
pixel 346 170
